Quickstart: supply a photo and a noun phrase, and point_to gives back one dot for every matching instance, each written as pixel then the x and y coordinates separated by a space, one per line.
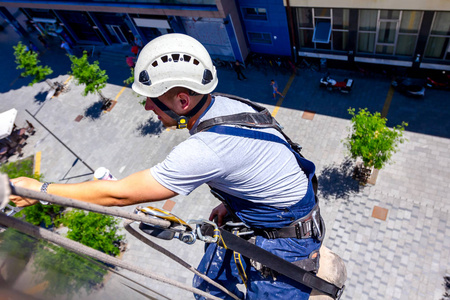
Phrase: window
pixel 251 13
pixel 322 32
pixel 388 32
pixel 260 38
pixel 323 28
pixel 438 45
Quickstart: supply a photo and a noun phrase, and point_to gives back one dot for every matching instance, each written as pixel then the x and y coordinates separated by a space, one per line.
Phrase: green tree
pixel 94 230
pixel 89 74
pixel 371 140
pixel 36 214
pixel 28 61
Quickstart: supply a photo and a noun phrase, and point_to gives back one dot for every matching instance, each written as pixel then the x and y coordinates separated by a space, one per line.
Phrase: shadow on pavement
pixel 94 111
pixel 335 182
pixel 150 127
pixel 40 97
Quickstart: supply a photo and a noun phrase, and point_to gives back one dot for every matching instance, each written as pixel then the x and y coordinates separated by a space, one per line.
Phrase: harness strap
pixel 276 263
pixel 311 225
pixel 260 119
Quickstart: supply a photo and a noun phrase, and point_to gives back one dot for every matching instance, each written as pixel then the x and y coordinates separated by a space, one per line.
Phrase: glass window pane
pixel 305 38
pixel 322 32
pixel 251 13
pixel 323 46
pixel 436 47
pixel 386 32
pixel 406 45
pixel 259 38
pixel 368 20
pixel 381 49
pixel 340 18
pixel 389 14
pixel 366 42
pixel 441 24
pixel 304 17
pixel 340 40
pixel 410 21
pixel 322 12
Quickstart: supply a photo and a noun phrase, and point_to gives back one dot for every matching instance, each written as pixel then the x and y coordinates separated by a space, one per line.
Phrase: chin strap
pixel 182 121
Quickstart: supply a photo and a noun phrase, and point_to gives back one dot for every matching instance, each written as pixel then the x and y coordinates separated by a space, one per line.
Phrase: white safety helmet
pixel 174 60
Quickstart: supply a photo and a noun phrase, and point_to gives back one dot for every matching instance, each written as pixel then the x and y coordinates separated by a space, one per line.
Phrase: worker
pixel 261 182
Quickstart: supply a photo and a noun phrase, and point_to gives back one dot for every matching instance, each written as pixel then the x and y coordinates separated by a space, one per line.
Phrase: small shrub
pixel 28 61
pixel 371 140
pixel 94 230
pixel 88 74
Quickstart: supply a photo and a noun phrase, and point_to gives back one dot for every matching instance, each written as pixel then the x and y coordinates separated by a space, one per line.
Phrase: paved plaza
pixel 402 256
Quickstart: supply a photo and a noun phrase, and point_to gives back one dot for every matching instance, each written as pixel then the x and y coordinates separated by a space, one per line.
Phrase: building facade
pixel 407 33
pixel 401 33
pixel 98 22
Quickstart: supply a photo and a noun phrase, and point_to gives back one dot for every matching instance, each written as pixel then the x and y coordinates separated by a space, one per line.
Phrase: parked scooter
pixel 441 81
pixel 331 84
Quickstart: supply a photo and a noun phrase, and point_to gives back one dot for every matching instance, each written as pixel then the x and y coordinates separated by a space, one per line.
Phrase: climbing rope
pixel 41 233
pixel 6 189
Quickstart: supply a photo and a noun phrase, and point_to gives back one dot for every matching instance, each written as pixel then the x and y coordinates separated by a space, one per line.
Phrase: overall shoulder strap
pixel 259 119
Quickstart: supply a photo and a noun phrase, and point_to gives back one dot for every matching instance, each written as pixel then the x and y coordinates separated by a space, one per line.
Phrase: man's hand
pixel 28 183
pixel 220 212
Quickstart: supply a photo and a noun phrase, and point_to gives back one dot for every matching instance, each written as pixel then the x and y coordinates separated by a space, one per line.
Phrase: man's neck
pixel 194 118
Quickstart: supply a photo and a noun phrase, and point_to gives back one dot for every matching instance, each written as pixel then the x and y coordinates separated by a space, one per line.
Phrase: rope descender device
pixel 178 228
pixel 187 232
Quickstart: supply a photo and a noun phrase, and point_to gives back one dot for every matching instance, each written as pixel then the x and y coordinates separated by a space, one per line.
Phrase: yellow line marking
pixel 37 163
pixel 120 93
pixel 387 102
pixel 280 101
pixel 67 80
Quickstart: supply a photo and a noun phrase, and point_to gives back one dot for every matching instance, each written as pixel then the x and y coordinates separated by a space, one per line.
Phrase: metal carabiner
pixel 200 236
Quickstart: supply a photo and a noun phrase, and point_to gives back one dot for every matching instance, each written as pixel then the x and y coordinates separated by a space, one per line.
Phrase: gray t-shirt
pixel 256 170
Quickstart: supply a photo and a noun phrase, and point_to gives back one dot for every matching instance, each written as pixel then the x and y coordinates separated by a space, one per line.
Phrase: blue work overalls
pixel 218 263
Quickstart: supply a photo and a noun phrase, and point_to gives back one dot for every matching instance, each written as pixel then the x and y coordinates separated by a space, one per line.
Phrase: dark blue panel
pixel 322 32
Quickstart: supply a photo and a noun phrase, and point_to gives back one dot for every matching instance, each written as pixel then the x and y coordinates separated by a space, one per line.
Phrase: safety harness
pixel 311 225
pixel 236 235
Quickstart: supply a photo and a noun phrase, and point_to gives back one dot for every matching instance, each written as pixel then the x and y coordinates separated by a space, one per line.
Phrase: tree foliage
pixel 88 74
pixel 371 140
pixel 94 230
pixel 28 61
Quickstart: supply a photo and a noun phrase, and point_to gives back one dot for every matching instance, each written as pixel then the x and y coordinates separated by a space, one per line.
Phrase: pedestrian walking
pixel 130 61
pixel 66 47
pixel 43 42
pixel 33 48
pixel 262 181
pixel 135 50
pixel 274 85
pixel 238 69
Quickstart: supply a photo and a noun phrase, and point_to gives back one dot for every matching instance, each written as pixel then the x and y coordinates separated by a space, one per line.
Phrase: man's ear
pixel 183 100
